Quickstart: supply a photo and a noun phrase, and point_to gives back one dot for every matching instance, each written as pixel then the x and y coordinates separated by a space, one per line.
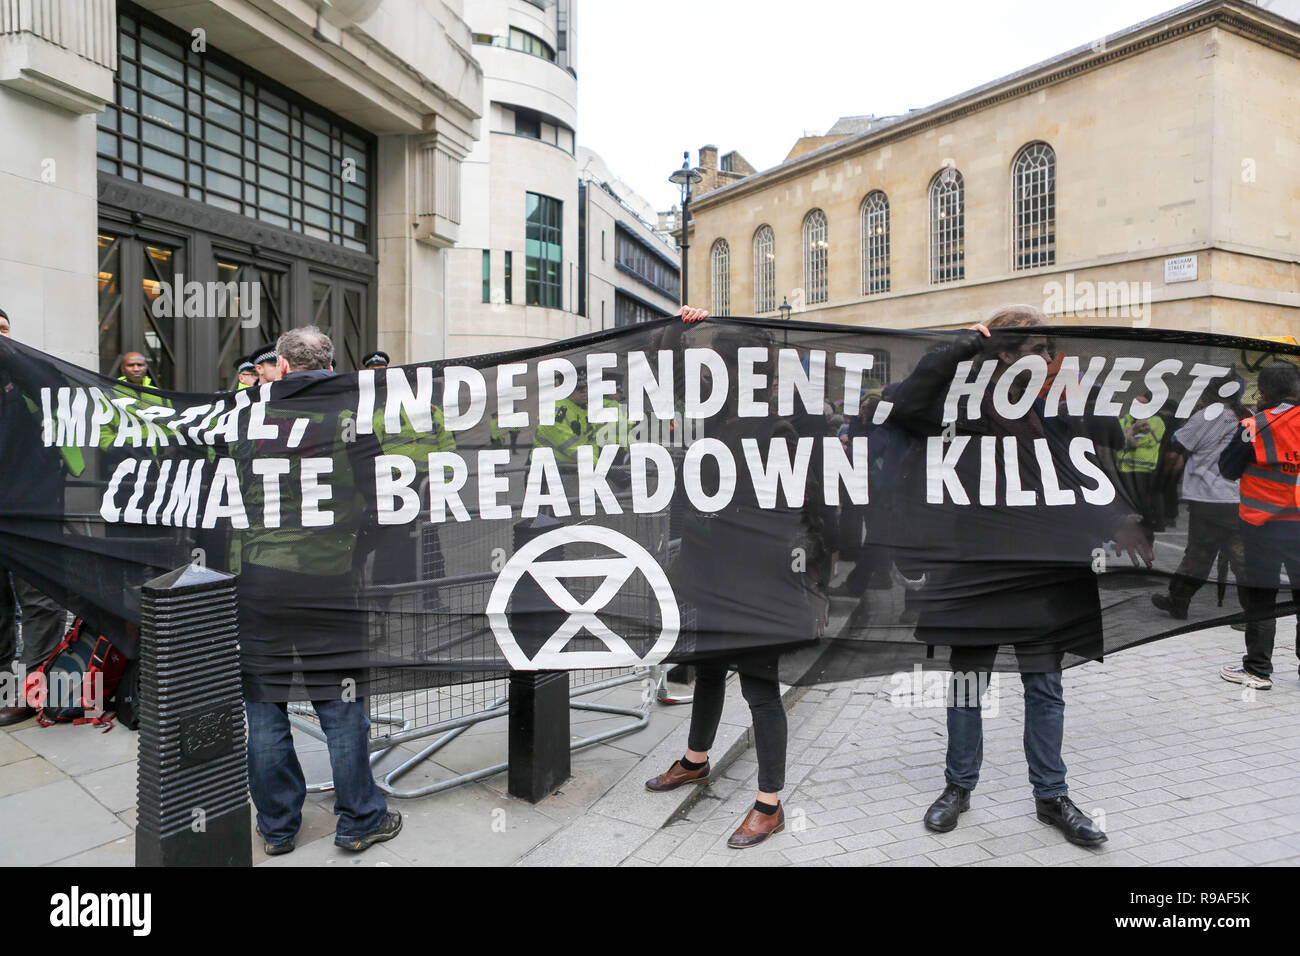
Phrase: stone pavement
pixel 1179 765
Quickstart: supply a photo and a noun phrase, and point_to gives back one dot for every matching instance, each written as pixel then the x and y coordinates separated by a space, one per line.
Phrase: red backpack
pixel 77 680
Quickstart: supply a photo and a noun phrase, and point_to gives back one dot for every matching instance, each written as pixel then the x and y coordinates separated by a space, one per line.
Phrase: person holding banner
pixel 43 619
pixel 301 626
pixel 995 574
pixel 737 562
pixel 1265 458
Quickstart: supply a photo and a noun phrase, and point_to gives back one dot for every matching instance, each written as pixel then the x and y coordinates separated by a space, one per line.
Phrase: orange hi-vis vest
pixel 1270 488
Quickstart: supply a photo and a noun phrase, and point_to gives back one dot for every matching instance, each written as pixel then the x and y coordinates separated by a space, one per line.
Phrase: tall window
pixel 947 226
pixel 815 246
pixel 487 276
pixel 204 128
pixel 875 243
pixel 720 257
pixel 764 270
pixel 544 253
pixel 1033 184
pixel 510 276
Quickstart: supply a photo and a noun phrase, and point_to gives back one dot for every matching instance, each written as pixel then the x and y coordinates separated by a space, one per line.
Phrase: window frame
pixel 764 251
pixel 1043 243
pixel 942 185
pixel 540 289
pixel 720 272
pixel 874 211
pixel 816 257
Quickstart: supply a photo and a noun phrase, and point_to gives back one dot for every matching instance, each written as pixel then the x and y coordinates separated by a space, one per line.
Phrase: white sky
pixel 658 78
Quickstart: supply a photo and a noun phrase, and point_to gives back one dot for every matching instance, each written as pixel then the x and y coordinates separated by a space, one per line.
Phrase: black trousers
pixel 44 622
pixel 763 694
pixel 1269 548
pixel 1212 528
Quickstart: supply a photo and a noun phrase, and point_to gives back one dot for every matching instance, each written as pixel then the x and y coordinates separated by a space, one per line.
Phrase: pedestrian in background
pixel 1213 527
pixel 1265 459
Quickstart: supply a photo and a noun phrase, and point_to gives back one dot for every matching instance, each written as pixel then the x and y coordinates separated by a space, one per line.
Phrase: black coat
pixel 1000 574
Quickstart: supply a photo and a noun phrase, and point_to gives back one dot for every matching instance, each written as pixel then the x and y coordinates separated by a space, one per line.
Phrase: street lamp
pixel 685 178
pixel 785 309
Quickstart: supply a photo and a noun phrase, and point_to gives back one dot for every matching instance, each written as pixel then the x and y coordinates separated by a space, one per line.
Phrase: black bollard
pixel 192 794
pixel 539 700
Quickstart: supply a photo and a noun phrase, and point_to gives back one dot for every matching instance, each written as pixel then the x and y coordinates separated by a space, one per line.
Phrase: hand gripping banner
pixel 839 501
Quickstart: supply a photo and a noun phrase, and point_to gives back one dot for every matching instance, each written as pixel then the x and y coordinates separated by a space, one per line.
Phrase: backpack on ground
pixel 76 680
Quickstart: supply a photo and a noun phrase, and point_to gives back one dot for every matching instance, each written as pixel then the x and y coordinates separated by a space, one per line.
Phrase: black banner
pixel 659 493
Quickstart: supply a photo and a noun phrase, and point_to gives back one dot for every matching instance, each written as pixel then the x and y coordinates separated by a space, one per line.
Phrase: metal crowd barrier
pixel 407 704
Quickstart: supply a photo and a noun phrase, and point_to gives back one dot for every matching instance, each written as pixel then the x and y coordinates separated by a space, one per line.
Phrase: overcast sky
pixel 658 78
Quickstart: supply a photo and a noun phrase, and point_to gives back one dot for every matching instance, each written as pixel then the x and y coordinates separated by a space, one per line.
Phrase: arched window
pixel 947 226
pixel 1033 190
pixel 815 247
pixel 764 270
pixel 875 243
pixel 720 256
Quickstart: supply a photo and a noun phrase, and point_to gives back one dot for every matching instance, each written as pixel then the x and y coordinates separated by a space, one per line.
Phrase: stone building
pixel 552 244
pixel 305 156
pixel 1151 177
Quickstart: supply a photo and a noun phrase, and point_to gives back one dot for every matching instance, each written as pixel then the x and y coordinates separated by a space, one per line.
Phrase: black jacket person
pixel 1004 565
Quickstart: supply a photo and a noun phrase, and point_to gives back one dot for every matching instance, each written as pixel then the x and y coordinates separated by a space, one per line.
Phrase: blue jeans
pixel 275 776
pixel 1044 732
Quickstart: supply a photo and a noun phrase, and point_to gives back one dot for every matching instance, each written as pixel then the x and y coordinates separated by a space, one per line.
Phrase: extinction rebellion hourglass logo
pixel 611 572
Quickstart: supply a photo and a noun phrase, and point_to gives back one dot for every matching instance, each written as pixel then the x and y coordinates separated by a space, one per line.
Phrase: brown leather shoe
pixel 676 775
pixel 757 827
pixel 15 715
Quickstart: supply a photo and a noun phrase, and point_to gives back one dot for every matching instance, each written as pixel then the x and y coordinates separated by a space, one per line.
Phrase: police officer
pixel 135 370
pixel 571 428
pixel 246 375
pixel 1266 459
pixel 377 359
pixel 497 434
pixel 395 553
pixel 1137 463
pixel 268 368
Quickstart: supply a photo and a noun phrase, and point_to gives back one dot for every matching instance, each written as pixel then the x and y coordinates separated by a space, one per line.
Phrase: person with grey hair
pixel 284 570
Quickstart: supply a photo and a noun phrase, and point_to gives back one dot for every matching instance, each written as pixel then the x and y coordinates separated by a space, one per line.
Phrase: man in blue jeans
pixel 279 788
pixel 1043 737
pixel 301 625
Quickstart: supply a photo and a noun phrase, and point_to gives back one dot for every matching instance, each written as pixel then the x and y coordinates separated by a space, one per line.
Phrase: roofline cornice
pixel 1240 17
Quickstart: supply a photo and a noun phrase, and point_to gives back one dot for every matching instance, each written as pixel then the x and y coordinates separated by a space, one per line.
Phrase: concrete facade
pixel 619 291
pixel 401 70
pixel 1177 137
pixel 513 158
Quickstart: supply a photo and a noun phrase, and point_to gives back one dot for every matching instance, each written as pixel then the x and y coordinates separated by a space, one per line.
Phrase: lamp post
pixel 785 309
pixel 685 178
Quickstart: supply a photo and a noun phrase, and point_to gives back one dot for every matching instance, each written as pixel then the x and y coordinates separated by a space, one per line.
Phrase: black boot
pixel 1167 604
pixel 1077 826
pixel 942 815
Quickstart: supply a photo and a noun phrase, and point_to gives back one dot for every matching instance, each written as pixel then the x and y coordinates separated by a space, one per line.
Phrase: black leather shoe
pixel 1166 604
pixel 943 813
pixel 16 715
pixel 1077 826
